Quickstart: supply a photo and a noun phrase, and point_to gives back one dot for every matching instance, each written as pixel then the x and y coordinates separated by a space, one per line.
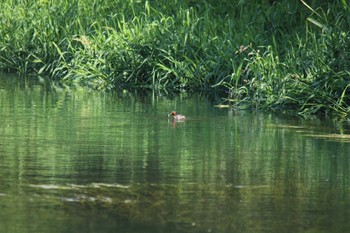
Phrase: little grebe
pixel 176 116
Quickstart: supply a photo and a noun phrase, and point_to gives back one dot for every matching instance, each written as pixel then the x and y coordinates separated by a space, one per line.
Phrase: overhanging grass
pixel 278 55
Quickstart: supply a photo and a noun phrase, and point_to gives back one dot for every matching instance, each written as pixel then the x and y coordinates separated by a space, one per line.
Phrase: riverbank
pixel 278 56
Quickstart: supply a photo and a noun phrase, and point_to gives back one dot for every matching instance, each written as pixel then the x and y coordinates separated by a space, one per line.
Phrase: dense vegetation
pixel 281 55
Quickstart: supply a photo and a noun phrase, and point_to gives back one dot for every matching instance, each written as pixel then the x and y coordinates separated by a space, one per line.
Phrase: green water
pixel 84 161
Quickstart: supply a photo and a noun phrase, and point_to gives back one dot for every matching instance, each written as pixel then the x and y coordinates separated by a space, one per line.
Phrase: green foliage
pixel 269 55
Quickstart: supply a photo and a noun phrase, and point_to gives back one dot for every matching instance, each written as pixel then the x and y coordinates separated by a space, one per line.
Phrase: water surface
pixel 85 161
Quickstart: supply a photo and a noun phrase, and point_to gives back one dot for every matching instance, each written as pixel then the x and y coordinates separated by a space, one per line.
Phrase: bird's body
pixel 176 116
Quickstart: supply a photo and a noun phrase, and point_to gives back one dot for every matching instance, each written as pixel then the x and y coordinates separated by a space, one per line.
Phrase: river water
pixel 86 161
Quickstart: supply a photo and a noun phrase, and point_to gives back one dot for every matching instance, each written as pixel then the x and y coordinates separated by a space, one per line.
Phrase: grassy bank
pixel 280 55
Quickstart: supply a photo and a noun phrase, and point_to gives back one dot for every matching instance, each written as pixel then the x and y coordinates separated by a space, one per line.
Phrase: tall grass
pixel 277 55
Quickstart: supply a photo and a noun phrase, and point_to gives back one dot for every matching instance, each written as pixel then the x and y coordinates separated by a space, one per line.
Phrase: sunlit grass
pixel 282 55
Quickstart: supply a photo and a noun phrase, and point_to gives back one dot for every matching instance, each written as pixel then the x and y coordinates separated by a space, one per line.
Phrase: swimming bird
pixel 176 116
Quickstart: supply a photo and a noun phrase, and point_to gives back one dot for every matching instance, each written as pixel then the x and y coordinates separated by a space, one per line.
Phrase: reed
pixel 276 55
